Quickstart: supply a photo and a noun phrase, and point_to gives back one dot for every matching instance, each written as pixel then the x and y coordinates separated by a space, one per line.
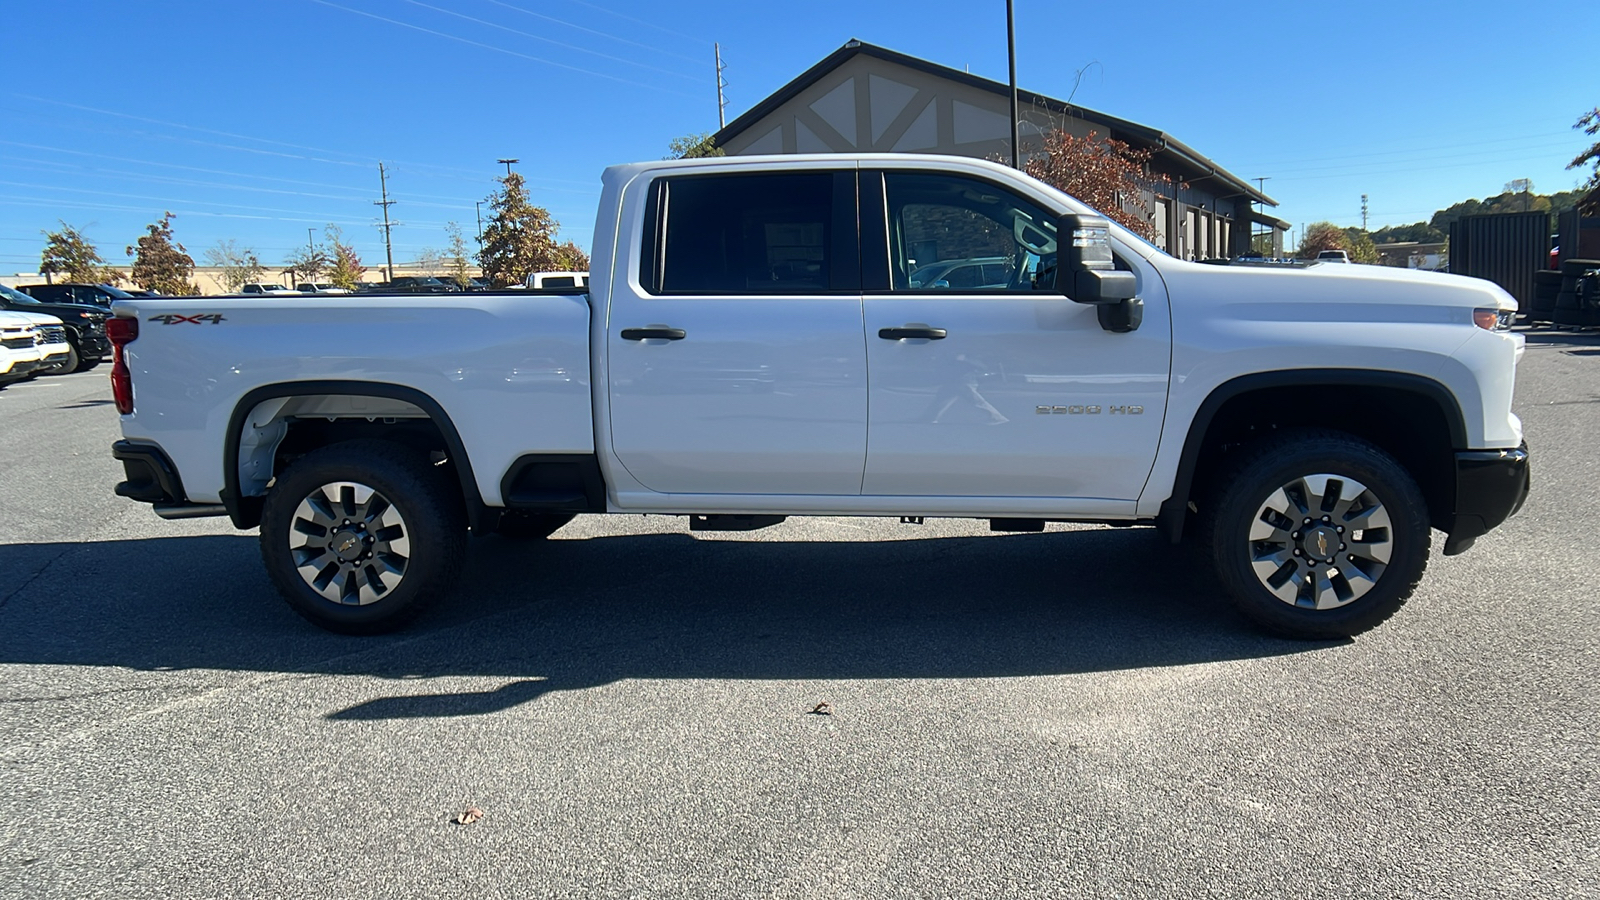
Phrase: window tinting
pixel 949 232
pixel 746 234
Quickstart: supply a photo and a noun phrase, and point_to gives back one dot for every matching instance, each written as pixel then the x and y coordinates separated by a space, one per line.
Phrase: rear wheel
pixel 360 537
pixel 1317 534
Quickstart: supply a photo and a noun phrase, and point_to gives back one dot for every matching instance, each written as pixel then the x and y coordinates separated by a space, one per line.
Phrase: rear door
pixel 735 350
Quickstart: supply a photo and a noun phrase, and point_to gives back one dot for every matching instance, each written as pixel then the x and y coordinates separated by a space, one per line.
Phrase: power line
pixel 612 12
pixel 608 36
pixel 479 44
pixel 537 37
pixel 1454 145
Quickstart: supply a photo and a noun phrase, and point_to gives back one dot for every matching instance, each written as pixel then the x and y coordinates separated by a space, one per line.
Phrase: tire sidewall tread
pixel 1261 467
pixel 435 521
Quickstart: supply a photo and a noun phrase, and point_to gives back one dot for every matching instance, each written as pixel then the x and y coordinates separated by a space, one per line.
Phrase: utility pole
pixel 722 102
pixel 478 205
pixel 1363 212
pixel 508 163
pixel 1011 53
pixel 388 245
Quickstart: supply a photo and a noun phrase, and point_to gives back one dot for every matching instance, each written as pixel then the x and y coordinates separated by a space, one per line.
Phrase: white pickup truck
pixel 752 346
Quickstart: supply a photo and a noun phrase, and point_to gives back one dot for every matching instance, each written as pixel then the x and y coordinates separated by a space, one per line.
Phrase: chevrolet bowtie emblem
pixel 1322 543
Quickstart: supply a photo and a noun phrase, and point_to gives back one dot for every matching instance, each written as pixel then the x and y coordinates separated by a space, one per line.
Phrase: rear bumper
pixel 1491 486
pixel 153 479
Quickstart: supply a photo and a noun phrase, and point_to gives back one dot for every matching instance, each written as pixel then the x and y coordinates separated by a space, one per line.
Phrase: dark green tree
pixel 161 264
pixel 1589 123
pixel 693 146
pixel 519 238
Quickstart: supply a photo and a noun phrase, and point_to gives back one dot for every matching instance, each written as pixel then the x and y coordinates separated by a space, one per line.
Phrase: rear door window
pixel 767 233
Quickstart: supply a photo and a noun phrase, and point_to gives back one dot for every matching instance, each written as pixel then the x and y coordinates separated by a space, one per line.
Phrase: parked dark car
pixel 416 284
pixel 86 326
pixel 99 295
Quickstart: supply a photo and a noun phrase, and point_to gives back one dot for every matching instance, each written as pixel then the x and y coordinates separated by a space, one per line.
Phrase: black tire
pixel 525 526
pixel 386 584
pixel 1376 588
pixel 87 363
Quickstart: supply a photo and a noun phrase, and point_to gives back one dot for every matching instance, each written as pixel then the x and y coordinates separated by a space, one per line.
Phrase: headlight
pixel 1493 319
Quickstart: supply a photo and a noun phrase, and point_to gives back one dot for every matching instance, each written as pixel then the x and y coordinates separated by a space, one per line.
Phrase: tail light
pixel 122 331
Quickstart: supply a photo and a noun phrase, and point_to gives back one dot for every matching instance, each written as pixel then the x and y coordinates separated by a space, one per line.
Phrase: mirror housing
pixel 1086 273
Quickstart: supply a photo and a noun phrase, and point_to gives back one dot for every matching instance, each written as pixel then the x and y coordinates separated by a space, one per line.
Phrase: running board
pixel 731 522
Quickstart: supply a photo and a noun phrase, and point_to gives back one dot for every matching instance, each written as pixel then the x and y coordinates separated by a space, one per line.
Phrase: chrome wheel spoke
pixel 349 543
pixel 1320 541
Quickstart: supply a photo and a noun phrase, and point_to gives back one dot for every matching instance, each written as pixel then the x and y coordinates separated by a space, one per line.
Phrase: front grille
pixel 20 342
pixel 52 334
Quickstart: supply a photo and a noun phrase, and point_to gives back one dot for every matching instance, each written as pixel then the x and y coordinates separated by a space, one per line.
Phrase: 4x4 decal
pixel 171 319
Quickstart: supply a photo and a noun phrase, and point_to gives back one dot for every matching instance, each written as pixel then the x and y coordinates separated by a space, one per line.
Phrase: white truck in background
pixel 752 346
pixel 31 344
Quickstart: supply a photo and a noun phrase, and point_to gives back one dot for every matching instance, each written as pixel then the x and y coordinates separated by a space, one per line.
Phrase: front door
pixel 982 385
pixel 736 360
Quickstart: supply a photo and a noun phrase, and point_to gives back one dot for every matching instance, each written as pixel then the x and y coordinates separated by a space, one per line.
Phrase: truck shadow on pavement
pixel 574 614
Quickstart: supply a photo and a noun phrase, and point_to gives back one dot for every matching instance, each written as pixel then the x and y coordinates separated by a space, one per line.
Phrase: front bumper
pixel 23 368
pixel 1491 486
pixel 94 346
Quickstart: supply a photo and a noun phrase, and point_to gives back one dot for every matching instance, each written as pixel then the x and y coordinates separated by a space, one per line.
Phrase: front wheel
pixel 361 536
pixel 1317 534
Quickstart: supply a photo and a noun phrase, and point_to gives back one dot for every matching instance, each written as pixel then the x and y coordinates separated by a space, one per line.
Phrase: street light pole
pixel 1011 52
pixel 508 163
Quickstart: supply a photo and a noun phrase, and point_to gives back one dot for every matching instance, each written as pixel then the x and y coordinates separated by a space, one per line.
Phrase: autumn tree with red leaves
pixel 161 264
pixel 1105 173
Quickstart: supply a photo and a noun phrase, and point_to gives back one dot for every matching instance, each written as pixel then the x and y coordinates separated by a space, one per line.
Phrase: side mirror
pixel 1087 273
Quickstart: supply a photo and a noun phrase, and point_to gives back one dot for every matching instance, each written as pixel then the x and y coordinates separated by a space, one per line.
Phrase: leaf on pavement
pixel 472 814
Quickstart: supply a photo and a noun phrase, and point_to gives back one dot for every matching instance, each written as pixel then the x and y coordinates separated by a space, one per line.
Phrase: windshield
pixel 16 296
pixel 116 293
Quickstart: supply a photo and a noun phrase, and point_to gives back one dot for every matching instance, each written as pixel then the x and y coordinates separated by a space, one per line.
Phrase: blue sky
pixel 255 121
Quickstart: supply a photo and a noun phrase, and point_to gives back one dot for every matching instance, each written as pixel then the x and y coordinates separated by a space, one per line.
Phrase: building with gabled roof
pixel 864 98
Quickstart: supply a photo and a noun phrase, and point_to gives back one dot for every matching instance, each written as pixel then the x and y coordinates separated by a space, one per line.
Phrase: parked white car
pixel 1333 256
pixel 21 354
pixel 320 287
pixel 262 288
pixel 545 281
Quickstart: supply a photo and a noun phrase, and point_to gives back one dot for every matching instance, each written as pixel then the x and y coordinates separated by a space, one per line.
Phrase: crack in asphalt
pixel 34 577
pixel 85 696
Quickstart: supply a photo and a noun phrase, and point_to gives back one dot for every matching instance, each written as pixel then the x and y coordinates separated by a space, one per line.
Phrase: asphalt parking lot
pixel 1075 714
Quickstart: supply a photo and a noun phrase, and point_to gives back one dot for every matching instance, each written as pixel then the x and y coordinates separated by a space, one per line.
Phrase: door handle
pixel 912 331
pixel 654 332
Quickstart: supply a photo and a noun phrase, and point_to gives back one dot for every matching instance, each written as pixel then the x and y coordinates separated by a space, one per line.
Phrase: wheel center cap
pixel 347 545
pixel 1321 543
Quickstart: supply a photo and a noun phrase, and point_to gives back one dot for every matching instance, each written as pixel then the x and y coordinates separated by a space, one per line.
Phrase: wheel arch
pixel 1427 422
pixel 245 510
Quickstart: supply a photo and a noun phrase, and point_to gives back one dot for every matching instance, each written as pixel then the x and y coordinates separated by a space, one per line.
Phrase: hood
pixel 18 317
pixel 1321 289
